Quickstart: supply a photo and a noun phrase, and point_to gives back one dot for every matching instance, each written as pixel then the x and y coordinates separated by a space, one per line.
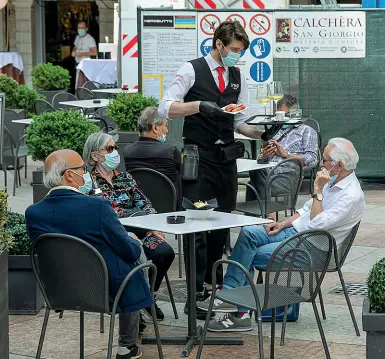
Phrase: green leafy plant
pixel 6 239
pixel 17 228
pixel 49 77
pixel 63 129
pixel 376 287
pixel 125 110
pixel 18 96
pixel 9 86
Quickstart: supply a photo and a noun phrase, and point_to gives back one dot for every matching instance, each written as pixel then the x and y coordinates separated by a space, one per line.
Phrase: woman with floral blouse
pixel 102 158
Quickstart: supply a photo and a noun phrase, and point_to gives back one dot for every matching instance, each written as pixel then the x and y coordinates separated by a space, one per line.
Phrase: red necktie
pixel 221 80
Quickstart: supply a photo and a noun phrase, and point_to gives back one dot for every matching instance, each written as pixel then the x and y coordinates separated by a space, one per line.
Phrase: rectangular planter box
pixel 124 139
pixel 374 326
pixel 39 191
pixel 25 296
pixel 4 322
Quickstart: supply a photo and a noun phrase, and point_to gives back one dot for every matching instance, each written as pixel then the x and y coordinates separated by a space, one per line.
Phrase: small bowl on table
pixel 200 212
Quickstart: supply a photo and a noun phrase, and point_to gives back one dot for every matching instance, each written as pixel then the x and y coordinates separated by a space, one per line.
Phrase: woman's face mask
pixel 111 160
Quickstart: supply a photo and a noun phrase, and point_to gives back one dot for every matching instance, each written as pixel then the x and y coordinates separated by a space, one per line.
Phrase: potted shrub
pixel 51 131
pixel 125 110
pixel 5 242
pixel 49 80
pixel 25 296
pixel 373 312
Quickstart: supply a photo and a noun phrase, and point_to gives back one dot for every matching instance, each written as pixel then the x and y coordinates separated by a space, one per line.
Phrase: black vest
pixel 207 131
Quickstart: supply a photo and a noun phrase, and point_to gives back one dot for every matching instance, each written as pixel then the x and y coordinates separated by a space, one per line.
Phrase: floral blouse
pixel 125 195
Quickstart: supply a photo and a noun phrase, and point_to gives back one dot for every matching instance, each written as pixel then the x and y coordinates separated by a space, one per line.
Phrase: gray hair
pixel 52 175
pixel 288 100
pixel 149 116
pixel 94 143
pixel 343 150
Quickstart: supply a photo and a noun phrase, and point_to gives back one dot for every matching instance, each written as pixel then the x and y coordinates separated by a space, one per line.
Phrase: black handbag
pixel 231 152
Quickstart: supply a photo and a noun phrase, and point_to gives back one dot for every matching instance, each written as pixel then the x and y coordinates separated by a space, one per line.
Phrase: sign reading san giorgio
pixel 336 34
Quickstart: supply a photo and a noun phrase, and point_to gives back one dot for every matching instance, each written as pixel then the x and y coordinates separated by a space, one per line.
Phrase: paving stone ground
pixel 302 337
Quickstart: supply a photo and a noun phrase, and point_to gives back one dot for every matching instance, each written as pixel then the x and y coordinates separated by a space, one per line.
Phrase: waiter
pixel 199 90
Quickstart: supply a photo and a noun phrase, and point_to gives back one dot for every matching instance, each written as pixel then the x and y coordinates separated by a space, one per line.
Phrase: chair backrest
pixel 157 187
pixel 85 94
pixel 71 273
pixel 102 112
pixel 287 175
pixel 42 106
pixel 93 85
pixel 343 249
pixel 99 121
pixel 311 122
pixel 298 266
pixel 61 97
pixel 12 131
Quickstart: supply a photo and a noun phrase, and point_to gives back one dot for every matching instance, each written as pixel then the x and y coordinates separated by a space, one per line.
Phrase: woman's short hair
pixel 94 143
pixel 149 116
pixel 342 150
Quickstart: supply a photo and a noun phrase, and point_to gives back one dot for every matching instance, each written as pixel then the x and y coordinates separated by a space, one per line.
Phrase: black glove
pixel 270 133
pixel 210 109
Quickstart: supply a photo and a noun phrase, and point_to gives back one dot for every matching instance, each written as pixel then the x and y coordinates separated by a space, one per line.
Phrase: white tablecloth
pixel 11 58
pixel 102 71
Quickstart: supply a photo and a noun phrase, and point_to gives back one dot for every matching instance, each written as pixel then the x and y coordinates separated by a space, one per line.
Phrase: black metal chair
pixel 287 172
pixel 162 194
pixel 85 94
pixel 16 149
pixel 294 274
pixel 102 112
pixel 42 106
pixel 62 97
pixel 93 85
pixel 100 121
pixel 72 275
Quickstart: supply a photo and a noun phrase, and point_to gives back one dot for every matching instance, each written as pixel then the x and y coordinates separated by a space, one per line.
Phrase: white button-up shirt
pixel 342 208
pixel 184 81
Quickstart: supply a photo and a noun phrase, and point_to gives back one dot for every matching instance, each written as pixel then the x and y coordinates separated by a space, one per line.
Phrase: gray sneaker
pixel 219 306
pixel 230 323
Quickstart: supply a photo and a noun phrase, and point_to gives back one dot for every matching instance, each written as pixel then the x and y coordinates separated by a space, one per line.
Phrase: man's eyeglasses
pixel 84 167
pixel 111 148
pixel 324 160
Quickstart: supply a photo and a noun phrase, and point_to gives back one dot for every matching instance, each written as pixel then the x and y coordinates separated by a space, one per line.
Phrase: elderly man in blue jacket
pixel 67 210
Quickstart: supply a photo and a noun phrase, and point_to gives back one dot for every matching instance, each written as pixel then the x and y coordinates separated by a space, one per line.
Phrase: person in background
pixel 66 210
pixel 298 141
pixel 85 45
pixel 102 158
pixel 336 206
pixel 200 89
pixel 151 151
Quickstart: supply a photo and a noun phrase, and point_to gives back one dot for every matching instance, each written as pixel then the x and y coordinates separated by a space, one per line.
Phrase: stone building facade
pixel 26 31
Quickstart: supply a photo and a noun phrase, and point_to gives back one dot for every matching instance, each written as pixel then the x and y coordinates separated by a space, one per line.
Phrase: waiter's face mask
pixel 231 59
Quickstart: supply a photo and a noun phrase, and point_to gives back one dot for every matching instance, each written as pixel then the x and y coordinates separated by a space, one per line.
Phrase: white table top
pixel 115 90
pixel 239 136
pixel 218 220
pixel 99 70
pixel 261 120
pixel 245 165
pixel 86 103
pixel 11 58
pixel 24 121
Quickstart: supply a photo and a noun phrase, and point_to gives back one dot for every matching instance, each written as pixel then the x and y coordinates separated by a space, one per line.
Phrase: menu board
pixel 167 41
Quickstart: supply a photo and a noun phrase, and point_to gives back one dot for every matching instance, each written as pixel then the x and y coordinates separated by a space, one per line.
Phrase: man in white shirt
pixel 85 45
pixel 336 206
pixel 200 89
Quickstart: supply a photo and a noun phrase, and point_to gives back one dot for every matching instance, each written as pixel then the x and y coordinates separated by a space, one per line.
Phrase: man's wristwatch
pixel 318 196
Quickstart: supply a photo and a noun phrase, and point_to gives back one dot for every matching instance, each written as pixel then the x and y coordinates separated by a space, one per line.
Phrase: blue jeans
pixel 253 250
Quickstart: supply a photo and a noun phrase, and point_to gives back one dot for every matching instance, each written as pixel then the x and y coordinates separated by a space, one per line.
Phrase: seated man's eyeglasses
pixel 84 167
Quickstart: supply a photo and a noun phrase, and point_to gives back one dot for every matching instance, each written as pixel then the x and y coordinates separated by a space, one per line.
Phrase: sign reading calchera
pixel 320 34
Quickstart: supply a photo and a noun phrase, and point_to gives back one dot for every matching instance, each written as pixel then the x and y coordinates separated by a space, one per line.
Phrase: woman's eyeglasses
pixel 111 148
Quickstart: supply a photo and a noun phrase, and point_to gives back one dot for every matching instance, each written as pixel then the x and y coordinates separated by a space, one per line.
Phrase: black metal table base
pixel 189 343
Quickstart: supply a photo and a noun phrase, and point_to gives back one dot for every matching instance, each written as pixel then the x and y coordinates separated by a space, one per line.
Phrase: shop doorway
pixel 61 19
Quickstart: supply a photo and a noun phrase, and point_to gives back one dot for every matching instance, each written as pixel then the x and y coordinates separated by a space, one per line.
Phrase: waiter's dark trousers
pixel 215 180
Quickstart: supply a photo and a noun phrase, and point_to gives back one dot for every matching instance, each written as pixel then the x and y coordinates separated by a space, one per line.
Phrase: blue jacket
pixel 93 220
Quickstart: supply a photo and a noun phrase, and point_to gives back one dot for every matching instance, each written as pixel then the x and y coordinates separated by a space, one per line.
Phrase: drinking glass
pixel 263 95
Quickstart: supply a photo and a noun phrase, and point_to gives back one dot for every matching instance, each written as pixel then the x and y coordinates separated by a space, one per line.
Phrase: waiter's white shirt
pixel 185 80
pixel 342 208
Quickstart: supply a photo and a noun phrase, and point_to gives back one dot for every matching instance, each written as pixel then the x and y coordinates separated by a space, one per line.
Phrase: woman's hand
pixel 158 234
